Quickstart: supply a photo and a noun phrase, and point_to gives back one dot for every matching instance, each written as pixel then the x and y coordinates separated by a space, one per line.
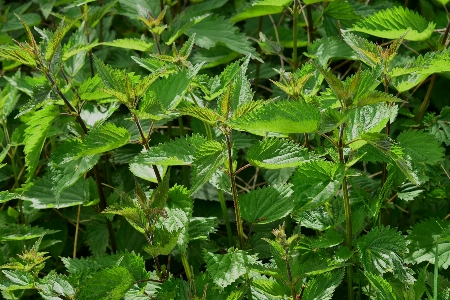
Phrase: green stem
pixel 184 169
pixel 436 272
pixel 187 269
pixel 348 214
pixel 225 217
pixel 234 192
pixel 426 100
pixel 258 64
pixel 309 23
pixel 294 35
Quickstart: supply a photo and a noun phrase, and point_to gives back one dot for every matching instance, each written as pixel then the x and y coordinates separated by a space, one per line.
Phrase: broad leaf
pixel 280 116
pixel 103 138
pixel 267 204
pixel 328 48
pixel 227 268
pixel 18 232
pixel 382 287
pixel 364 49
pixel 273 153
pixel 177 152
pixel 134 44
pixel 323 286
pixel 423 238
pixel 55 285
pixel 394 22
pixel 439 126
pixel 381 250
pixel 316 182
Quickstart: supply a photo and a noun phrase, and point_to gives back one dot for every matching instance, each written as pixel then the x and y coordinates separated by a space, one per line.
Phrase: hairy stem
pixel 225 217
pixel 187 269
pixel 146 146
pixel 348 213
pixel 234 192
pixel 98 183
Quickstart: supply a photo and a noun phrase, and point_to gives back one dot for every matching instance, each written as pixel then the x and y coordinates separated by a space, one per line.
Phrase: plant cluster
pixel 272 149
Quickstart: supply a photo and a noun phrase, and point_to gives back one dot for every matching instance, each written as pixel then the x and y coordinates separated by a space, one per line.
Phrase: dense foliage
pixel 215 149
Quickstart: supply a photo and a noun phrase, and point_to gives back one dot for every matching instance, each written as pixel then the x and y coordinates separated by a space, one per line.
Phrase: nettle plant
pixel 285 184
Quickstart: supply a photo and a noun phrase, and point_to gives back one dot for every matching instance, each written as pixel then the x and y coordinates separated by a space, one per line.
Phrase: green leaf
pixel 269 286
pixel 206 161
pixel 421 147
pixel 18 232
pixel 19 279
pixel 427 64
pixel 56 39
pixel 18 54
pixel 36 132
pixel 168 90
pixel 219 84
pixel 381 250
pixel 216 29
pixel 323 286
pixel 103 138
pixel 274 153
pixel 368 119
pixel 279 116
pixel 42 196
pixel 111 283
pixel 177 152
pixel 202 113
pixel 328 48
pixel 97 238
pixel 133 44
pixel 55 286
pixel 200 228
pixel 375 97
pixel 383 289
pixel 392 23
pixel 6 196
pixel 365 50
pixel 266 204
pixel 439 126
pixel 65 174
pixel 260 8
pixel 423 238
pixel 316 182
pixel 31 19
pixel 9 96
pixel 227 268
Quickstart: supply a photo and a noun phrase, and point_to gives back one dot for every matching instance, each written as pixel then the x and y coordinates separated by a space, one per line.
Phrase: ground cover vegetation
pixel 216 149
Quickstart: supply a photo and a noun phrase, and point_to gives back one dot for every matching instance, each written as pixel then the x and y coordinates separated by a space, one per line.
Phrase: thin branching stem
pixel 77 227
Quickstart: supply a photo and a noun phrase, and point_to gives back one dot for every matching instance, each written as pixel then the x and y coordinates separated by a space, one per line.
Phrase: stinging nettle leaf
pixel 260 8
pixel 267 204
pixel 103 138
pixel 392 23
pixel 133 44
pixel 273 153
pixel 56 39
pixel 280 116
pixel 323 286
pixel 36 132
pixel 316 182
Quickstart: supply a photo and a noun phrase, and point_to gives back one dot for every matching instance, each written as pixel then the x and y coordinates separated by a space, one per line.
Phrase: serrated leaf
pixel 202 113
pixel 392 23
pixel 375 97
pixel 280 116
pixel 216 29
pixel 133 44
pixel 56 39
pixel 55 286
pixel 97 238
pixel 323 286
pixel 267 204
pixel 111 283
pixel 381 250
pixel 168 90
pixel 316 182
pixel 177 152
pixel 227 268
pixel 269 286
pixel 439 126
pixel 365 50
pixel 260 8
pixel 19 279
pixel 200 228
pixel 427 64
pixel 423 237
pixel 206 161
pixel 368 119
pixel 273 153
pixel 36 132
pixel 18 232
pixel 421 147
pixel 383 289
pixel 42 196
pixel 6 196
pixel 103 138
pixel 328 48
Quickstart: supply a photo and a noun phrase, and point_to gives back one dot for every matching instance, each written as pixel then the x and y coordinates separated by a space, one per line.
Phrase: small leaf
pixel 260 8
pixel 56 39
pixel 103 138
pixel 133 44
pixel 328 48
